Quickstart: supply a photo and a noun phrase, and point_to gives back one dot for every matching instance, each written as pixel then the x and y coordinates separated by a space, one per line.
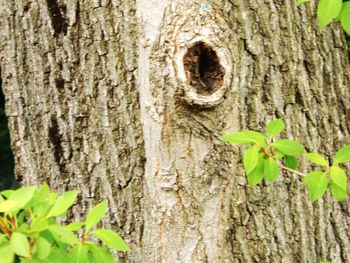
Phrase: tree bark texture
pixel 125 100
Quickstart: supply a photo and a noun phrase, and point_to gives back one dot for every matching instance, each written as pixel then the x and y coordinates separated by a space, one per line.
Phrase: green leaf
pixel 39 224
pixel 22 196
pixel 58 255
pixel 245 137
pixel 111 239
pixel 43 248
pixel 338 177
pixel 339 184
pixel 63 235
pixel 3 240
pixel 343 155
pixel 20 244
pixel 271 170
pixel 327 10
pixel 345 17
pixel 75 226
pixel 6 253
pixel 275 127
pixel 8 205
pixel 96 214
pixel 338 193
pixel 256 176
pixel 41 195
pixel 33 260
pixel 41 208
pixel 79 254
pixel 250 159
pixel 317 183
pixel 316 159
pixel 291 161
pixel 288 147
pixel 63 203
pixel 7 193
pixel 101 254
pixel 299 2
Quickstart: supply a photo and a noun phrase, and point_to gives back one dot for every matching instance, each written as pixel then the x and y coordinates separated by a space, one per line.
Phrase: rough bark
pixel 100 98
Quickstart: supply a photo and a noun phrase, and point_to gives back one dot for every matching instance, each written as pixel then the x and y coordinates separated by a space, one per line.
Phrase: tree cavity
pixel 203 69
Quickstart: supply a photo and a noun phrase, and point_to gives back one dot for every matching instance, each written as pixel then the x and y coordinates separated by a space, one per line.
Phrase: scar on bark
pixel 56 141
pixel 203 69
pixel 57 14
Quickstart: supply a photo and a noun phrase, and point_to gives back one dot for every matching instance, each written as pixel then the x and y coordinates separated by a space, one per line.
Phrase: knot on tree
pixel 203 69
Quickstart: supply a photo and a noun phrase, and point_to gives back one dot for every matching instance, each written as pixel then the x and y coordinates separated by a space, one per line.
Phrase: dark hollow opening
pixel 203 69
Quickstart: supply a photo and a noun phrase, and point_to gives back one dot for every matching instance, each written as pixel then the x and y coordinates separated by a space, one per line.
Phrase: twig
pixel 291 170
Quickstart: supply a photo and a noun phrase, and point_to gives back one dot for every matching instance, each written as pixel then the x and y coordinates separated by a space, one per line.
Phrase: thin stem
pixel 13 222
pixel 291 170
pixel 264 152
pixel 5 228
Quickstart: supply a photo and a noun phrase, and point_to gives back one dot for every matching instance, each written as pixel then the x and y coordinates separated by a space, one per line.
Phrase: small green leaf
pixel 3 240
pixel 43 201
pixel 291 161
pixel 245 137
pixel 288 147
pixel 8 205
pixel 343 155
pixel 43 248
pixel 7 193
pixel 250 159
pixel 96 214
pixel 339 185
pixel 317 183
pixel 58 255
pixel 255 177
pixel 39 224
pixel 101 254
pixel 33 260
pixel 41 195
pixel 63 203
pixel 20 244
pixel 299 2
pixel 75 226
pixel 316 159
pixel 63 235
pixel 22 196
pixel 327 10
pixel 271 170
pixel 6 253
pixel 338 177
pixel 338 193
pixel 275 127
pixel 79 254
pixel 345 17
pixel 111 239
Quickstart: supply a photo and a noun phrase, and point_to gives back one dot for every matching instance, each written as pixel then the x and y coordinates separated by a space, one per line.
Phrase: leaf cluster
pixel 30 231
pixel 262 160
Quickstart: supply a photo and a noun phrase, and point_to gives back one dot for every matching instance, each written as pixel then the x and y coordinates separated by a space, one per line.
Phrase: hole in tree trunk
pixel 203 69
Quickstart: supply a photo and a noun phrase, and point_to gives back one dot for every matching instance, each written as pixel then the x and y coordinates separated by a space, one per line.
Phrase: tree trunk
pixel 125 100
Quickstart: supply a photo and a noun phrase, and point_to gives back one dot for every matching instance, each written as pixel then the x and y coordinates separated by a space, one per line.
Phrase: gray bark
pixel 105 97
